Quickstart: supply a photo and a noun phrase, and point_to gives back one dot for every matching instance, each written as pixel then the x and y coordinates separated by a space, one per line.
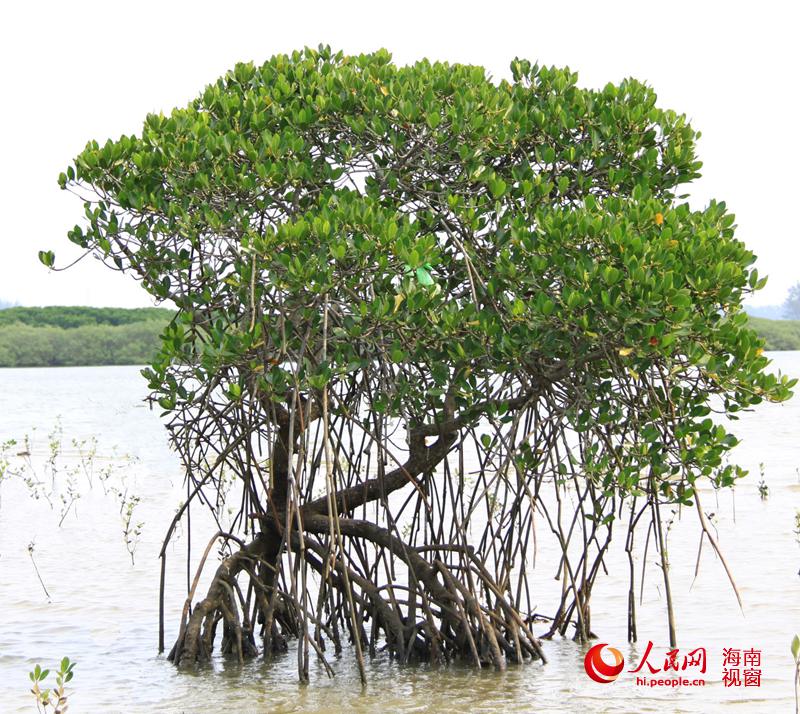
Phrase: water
pixel 103 611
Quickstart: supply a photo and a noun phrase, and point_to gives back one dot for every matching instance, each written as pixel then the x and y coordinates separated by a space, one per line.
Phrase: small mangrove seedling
pixel 55 698
pixel 131 530
pixel 763 489
pixel 31 548
pixel 797 526
pixel 796 655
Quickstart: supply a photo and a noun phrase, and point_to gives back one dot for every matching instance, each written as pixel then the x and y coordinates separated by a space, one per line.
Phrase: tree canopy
pixel 415 299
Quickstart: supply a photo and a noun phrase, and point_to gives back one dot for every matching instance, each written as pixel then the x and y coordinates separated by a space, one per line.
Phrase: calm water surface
pixel 103 610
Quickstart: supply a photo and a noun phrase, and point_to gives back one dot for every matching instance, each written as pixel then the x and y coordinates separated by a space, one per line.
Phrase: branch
pixel 421 459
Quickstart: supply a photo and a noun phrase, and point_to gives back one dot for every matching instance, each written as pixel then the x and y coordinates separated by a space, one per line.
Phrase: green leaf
pixel 47 257
pixel 611 275
pixel 424 277
pixel 166 403
pixel 796 647
pixel 398 354
pixel 497 187
pixel 681 300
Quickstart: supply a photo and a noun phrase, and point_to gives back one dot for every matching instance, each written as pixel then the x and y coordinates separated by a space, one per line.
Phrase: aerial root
pixel 446 612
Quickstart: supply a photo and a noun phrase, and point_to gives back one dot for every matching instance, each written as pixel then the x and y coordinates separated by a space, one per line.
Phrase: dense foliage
pixel 360 251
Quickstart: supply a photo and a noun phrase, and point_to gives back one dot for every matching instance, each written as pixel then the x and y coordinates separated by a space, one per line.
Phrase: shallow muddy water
pixel 103 609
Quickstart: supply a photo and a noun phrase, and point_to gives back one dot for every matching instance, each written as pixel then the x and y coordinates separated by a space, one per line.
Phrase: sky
pixel 72 72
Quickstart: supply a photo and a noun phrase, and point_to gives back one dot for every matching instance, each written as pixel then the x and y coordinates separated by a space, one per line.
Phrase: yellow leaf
pixel 398 299
pixel 384 91
pixel 633 373
pixel 659 219
pixel 625 351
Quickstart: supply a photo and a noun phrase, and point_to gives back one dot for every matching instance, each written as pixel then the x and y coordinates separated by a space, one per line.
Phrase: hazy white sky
pixel 92 70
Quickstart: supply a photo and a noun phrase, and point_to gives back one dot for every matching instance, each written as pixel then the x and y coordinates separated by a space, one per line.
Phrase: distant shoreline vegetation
pixel 79 336
pixel 779 334
pixel 93 336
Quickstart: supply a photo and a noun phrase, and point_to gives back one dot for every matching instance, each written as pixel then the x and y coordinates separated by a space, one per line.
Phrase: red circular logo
pixel 599 670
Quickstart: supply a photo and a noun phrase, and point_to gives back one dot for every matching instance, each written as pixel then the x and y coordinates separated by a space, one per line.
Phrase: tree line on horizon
pixel 778 334
pixel 69 316
pixel 75 336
